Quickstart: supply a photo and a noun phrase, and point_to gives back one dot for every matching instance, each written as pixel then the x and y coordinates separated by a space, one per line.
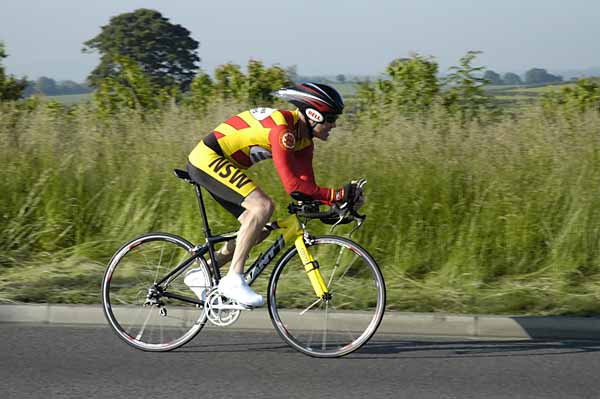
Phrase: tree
pixel 165 52
pixel 130 88
pixel 414 83
pixel 510 78
pixel 230 81
pixel 341 78
pixel 465 94
pixel 202 92
pixel 492 77
pixel 11 88
pixel 46 86
pixel 261 82
pixel 71 87
pixel 584 95
pixel 538 76
pixel 410 88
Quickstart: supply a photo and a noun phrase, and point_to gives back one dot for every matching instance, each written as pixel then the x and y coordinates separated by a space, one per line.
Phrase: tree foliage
pixel 230 83
pixel 412 88
pixel 465 94
pixel 493 77
pixel 512 79
pixel 130 88
pixel 50 87
pixel 163 51
pixel 11 88
pixel 539 76
pixel 584 95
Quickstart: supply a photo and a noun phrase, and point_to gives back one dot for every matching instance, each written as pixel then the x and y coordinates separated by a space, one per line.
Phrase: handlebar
pixel 307 208
pixel 334 216
pixel 310 210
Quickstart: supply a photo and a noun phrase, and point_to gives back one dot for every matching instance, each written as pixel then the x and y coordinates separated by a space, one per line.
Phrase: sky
pixel 320 37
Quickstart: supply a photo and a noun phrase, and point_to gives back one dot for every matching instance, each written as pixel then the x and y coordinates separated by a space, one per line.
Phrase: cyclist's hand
pixel 349 195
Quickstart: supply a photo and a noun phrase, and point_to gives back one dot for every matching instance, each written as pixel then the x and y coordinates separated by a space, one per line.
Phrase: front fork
pixel 312 269
pixel 293 230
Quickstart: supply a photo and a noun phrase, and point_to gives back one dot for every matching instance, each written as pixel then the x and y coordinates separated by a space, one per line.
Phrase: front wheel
pixel 137 308
pixel 335 326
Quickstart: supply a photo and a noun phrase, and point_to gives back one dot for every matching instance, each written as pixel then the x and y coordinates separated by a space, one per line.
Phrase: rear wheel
pixel 335 326
pixel 137 308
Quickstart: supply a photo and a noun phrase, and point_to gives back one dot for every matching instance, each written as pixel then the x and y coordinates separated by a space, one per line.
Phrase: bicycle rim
pixel 167 323
pixel 334 327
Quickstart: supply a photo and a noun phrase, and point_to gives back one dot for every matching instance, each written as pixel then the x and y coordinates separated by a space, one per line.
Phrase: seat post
pixel 205 226
pixel 207 232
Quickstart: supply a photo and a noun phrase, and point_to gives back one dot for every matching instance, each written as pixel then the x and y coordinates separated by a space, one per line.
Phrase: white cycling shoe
pixel 196 280
pixel 234 286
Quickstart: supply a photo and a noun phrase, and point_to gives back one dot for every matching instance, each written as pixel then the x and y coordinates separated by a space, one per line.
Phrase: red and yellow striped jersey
pixel 263 133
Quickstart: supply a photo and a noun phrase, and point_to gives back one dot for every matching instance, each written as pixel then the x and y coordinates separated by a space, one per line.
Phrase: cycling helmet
pixel 318 102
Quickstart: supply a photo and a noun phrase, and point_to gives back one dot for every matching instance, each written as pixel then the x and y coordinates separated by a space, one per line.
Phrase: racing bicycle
pixel 325 296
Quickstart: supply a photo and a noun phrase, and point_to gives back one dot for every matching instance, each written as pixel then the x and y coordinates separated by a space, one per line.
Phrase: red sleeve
pixel 303 165
pixel 295 168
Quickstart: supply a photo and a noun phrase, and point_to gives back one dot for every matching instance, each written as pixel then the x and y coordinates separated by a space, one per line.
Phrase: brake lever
pixel 359 219
pixel 361 182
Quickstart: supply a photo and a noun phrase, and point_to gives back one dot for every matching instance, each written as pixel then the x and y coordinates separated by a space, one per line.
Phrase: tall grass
pixel 490 217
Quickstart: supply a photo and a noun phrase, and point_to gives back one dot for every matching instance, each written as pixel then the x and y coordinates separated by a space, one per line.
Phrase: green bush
pixel 583 96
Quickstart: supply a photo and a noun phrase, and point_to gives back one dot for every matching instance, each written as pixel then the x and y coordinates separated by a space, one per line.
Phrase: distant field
pixel 516 95
pixel 347 89
pixel 70 99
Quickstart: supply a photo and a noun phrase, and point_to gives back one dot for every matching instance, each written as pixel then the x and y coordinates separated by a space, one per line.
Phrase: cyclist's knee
pixel 258 206
pixel 269 208
pixel 263 212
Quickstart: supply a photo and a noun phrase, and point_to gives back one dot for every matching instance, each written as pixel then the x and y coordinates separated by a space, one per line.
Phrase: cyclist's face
pixel 321 130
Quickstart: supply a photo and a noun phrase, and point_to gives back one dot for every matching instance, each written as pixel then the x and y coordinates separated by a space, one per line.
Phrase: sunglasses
pixel 331 118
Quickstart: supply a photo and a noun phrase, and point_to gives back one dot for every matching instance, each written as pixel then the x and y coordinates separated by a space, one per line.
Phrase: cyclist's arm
pixel 295 174
pixel 303 164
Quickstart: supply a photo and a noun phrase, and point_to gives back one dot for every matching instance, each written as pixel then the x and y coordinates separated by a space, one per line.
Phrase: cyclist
pixel 219 162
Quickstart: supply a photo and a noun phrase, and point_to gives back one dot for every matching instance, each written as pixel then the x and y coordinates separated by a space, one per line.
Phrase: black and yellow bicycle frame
pixel 292 232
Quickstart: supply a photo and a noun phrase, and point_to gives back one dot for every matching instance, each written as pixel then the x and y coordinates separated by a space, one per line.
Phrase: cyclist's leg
pixel 240 196
pixel 225 253
pixel 258 211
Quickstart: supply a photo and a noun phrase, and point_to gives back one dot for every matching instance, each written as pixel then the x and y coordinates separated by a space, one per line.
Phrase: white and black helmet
pixel 318 102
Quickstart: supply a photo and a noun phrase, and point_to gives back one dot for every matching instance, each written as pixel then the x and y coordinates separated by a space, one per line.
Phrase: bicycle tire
pixel 348 320
pixel 127 280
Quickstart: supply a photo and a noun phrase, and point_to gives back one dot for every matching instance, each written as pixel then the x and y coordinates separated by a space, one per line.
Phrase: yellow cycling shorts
pixel 227 183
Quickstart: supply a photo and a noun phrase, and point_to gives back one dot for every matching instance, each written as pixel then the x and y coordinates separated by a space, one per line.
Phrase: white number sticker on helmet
pixel 261 113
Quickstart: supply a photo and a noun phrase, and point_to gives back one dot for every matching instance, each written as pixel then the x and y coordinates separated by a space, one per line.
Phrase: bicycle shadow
pixel 441 349
pixel 419 349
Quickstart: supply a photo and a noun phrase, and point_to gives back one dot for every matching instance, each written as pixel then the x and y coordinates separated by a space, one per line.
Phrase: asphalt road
pixel 50 361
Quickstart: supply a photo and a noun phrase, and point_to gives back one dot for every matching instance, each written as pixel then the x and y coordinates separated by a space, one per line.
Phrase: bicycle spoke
pixel 159 263
pixel 348 268
pixel 324 341
pixel 337 263
pixel 308 308
pixel 139 336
